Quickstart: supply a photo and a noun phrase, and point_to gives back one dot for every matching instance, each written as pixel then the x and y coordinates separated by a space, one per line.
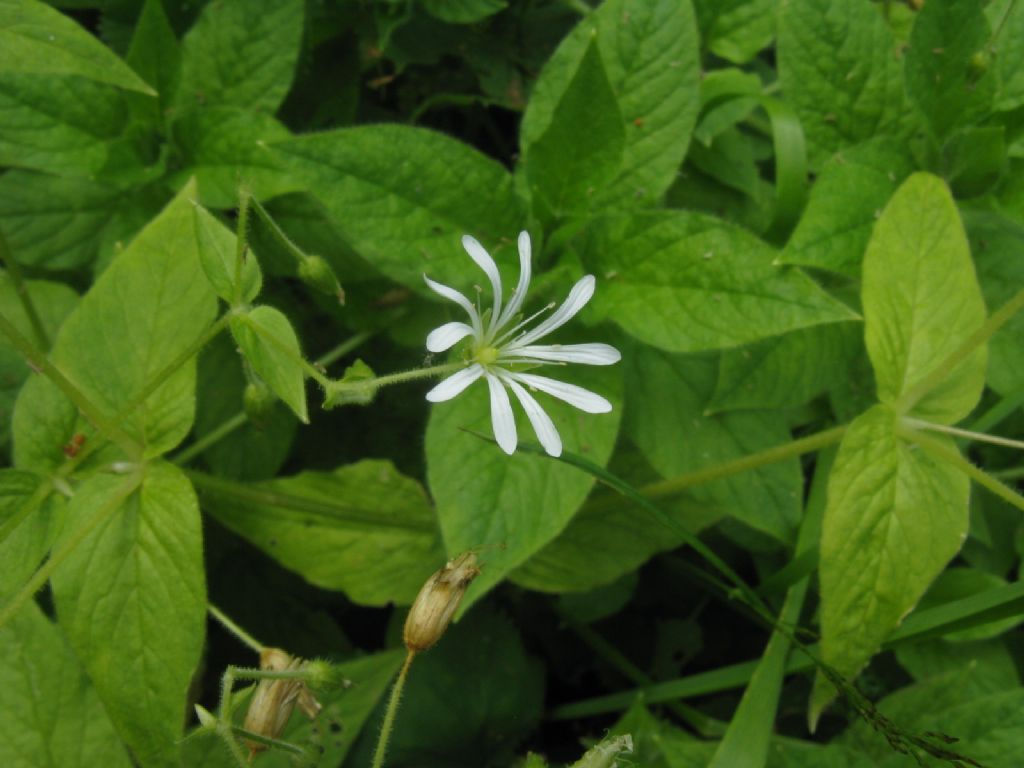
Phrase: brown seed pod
pixel 274 700
pixel 437 602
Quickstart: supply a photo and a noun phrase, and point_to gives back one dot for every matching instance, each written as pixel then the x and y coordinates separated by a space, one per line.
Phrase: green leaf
pixel 894 518
pixel 463 11
pixel 921 300
pixel 991 663
pixel 974 159
pixel 269 344
pixel 40 40
pixel 241 53
pixel 846 200
pixel 736 30
pixel 132 600
pixel 511 506
pixel 959 583
pixel 402 197
pixel 155 55
pixel 650 55
pixel 678 436
pixel 364 529
pixel 1006 17
pixel 942 76
pixel 839 69
pixel 686 282
pixel 567 167
pixel 27 544
pixel 52 222
pixel 224 148
pixel 143 312
pixel 775 373
pixel 218 257
pixel 54 718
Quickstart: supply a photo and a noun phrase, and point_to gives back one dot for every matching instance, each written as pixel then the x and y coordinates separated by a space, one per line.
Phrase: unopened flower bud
pixel 315 272
pixel 274 700
pixel 258 403
pixel 437 602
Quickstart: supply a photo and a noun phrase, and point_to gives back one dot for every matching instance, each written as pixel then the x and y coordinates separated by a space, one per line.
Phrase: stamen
pixel 498 342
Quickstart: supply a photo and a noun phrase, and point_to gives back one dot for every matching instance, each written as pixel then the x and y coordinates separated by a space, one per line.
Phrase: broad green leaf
pixel 364 529
pixel 268 342
pixel 52 222
pixel 402 197
pixel 444 722
pixel 509 507
pixel 1006 17
pixel 974 159
pixel 839 69
pixel 144 311
pixel 53 716
pixel 649 51
pixel 728 159
pixel 253 451
pixel 894 519
pixel 156 56
pixel 463 11
pixel 676 435
pixel 736 30
pixel 942 78
pixel 997 243
pixel 921 300
pixel 66 126
pixel 785 371
pixel 991 663
pixel 686 282
pixel 567 167
pixel 846 200
pixel 241 53
pixel 131 599
pixel 219 260
pixel 53 302
pixel 40 40
pixel 225 148
pixel 27 544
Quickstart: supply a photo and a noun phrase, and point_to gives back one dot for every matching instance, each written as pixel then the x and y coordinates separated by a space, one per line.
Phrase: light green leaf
pixel 567 167
pixel 839 69
pixel 736 30
pixel 269 343
pixel 942 78
pixel 894 519
pixel 511 506
pixel 1007 18
pixel 364 529
pixel 155 55
pixel 241 53
pixel 52 222
pixel 54 718
pixel 649 51
pixel 27 544
pixel 132 600
pixel 142 313
pixel 686 282
pixel 225 148
pixel 463 11
pixel 846 200
pixel 402 197
pixel 218 258
pixel 38 39
pixel 921 300
pixel 785 371
pixel 678 436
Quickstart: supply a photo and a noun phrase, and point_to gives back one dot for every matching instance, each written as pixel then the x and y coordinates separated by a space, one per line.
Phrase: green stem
pixel 234 629
pixel 372 385
pixel 278 234
pixel 980 437
pixel 998 412
pixel 21 289
pixel 941 371
pixel 40 362
pixel 350 344
pixel 392 710
pixel 266 741
pixel 67 546
pixel 953 457
pixel 210 438
pixel 241 243
pixel 1014 473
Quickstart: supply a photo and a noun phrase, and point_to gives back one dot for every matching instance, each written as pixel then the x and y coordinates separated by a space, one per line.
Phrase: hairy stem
pixel 234 629
pixel 392 711
pixel 21 289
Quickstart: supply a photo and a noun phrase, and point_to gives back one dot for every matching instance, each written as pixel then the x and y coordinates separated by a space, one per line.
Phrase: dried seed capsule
pixel 274 700
pixel 437 601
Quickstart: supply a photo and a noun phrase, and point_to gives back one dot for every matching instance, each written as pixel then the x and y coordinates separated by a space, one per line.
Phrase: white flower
pixel 499 352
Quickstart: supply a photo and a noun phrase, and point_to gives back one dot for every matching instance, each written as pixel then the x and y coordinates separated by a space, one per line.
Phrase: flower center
pixel 487 355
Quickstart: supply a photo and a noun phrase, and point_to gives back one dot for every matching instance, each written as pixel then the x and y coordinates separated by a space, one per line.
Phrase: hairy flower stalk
pixel 502 348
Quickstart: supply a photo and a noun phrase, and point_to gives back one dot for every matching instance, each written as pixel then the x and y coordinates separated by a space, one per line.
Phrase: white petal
pixel 455 383
pixel 447 336
pixel 519 295
pixel 452 295
pixel 502 420
pixel 587 354
pixel 483 260
pixel 542 424
pixel 575 396
pixel 578 298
